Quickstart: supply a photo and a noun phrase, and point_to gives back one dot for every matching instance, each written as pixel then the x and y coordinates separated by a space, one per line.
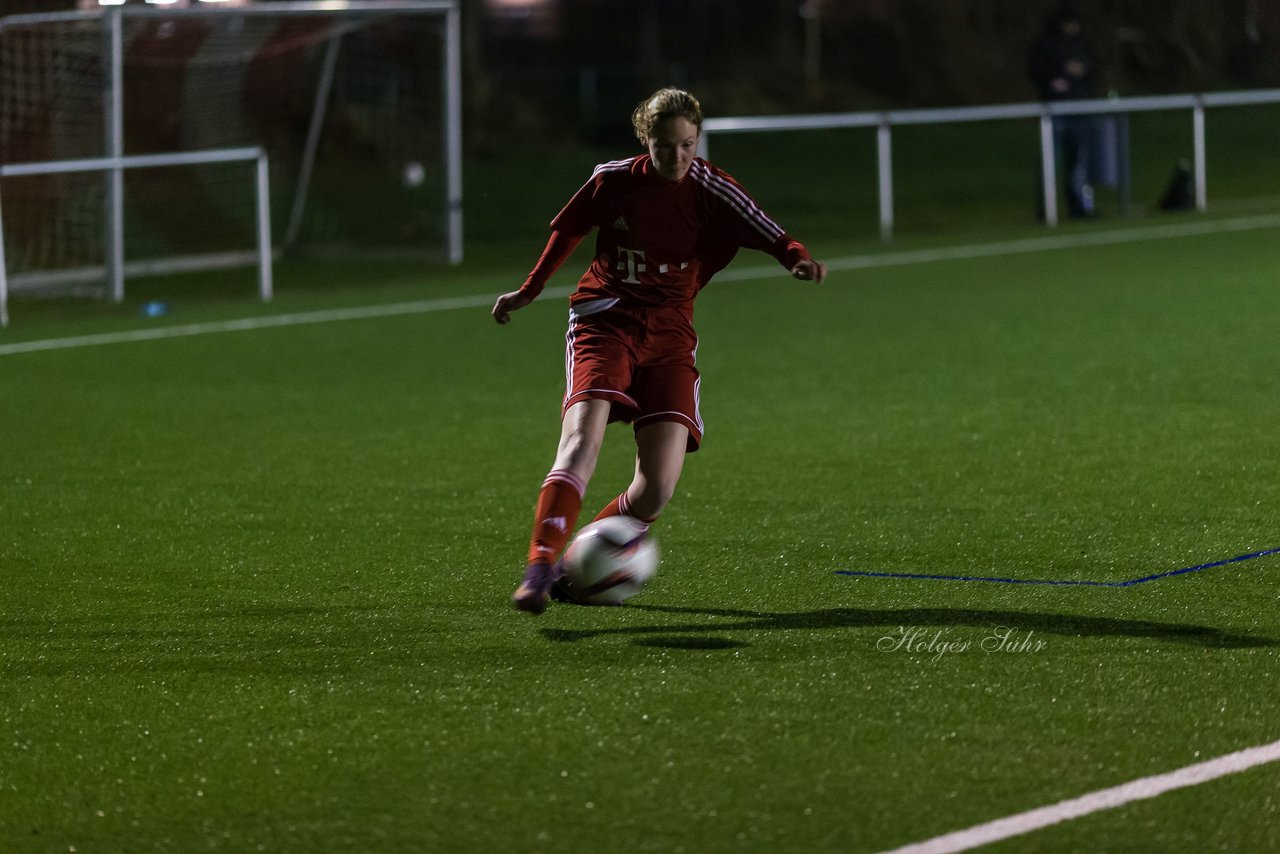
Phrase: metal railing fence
pixel 884 121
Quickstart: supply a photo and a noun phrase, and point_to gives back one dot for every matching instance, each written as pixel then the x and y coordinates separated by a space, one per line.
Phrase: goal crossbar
pixel 302 7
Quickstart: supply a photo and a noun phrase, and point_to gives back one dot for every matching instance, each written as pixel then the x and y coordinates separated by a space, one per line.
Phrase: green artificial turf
pixel 255 584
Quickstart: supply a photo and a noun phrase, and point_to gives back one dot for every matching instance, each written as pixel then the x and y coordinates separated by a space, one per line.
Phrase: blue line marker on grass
pixel 1050 582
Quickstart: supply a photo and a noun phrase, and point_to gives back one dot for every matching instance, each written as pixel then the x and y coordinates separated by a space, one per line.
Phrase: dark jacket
pixel 1062 66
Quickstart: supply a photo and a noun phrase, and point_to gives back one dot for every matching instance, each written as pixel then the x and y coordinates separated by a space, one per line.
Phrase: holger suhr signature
pixel 937 643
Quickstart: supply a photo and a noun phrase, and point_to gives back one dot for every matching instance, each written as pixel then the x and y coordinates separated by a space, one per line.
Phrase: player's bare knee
pixel 579 448
pixel 651 496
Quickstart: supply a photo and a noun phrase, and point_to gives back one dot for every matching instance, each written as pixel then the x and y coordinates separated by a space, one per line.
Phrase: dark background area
pixel 547 70
pixel 531 69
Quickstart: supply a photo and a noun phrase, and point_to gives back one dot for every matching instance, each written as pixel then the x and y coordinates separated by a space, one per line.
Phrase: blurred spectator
pixel 1062 67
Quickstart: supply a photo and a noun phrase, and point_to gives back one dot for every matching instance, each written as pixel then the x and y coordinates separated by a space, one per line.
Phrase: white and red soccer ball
pixel 610 561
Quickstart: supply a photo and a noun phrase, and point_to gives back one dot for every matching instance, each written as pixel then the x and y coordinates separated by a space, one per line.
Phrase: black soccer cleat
pixel 563 589
pixel 535 588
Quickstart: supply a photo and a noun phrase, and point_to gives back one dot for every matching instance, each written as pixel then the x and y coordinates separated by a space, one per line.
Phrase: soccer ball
pixel 610 561
pixel 414 174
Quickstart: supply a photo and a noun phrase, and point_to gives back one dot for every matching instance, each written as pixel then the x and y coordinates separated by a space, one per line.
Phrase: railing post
pixel 264 227
pixel 884 152
pixel 1197 132
pixel 1048 169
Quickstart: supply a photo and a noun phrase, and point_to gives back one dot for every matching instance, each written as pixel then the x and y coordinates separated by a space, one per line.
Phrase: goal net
pixel 355 109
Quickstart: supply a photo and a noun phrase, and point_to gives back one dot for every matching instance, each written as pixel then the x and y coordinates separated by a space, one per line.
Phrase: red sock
pixel 621 506
pixel 559 504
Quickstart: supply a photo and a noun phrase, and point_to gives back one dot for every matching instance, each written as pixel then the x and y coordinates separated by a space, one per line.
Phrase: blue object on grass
pixel 1131 582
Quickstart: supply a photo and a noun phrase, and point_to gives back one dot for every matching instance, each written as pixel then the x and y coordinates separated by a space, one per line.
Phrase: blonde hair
pixel 664 104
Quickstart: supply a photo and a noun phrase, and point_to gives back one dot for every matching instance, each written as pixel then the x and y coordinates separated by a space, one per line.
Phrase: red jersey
pixel 660 241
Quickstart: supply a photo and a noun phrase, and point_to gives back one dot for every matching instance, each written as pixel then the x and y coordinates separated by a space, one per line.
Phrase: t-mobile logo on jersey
pixel 631 261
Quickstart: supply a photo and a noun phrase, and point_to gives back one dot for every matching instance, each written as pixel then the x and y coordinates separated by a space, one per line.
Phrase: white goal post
pixel 356 104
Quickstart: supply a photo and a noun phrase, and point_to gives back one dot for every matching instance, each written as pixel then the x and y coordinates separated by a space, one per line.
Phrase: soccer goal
pixel 138 140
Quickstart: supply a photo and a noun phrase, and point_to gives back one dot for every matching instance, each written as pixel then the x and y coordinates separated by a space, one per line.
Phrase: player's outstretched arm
pixel 508 303
pixel 810 271
pixel 559 247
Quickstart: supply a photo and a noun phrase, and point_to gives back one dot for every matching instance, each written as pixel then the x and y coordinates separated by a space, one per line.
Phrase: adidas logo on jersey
pixel 620 224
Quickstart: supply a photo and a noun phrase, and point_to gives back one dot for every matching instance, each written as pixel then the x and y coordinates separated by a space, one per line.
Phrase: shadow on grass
pixel 706 634
pixel 246 640
pixel 691 642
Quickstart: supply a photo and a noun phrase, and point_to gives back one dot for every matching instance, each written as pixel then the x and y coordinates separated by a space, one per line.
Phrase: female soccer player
pixel 667 221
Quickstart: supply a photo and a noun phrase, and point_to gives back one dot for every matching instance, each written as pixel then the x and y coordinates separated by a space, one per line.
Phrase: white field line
pixel 857 262
pixel 1031 244
pixel 398 309
pixel 1104 799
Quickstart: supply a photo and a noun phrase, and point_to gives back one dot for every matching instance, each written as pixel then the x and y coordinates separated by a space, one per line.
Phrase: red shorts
pixel 641 359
